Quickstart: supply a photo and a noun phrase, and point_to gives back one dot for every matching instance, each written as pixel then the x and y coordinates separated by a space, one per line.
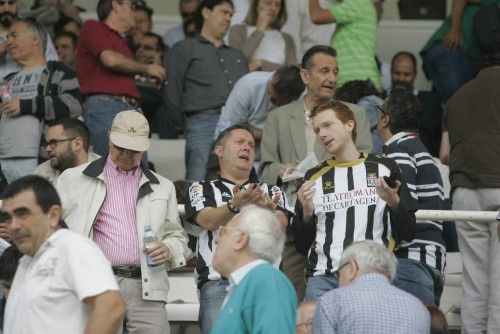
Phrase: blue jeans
pixel 14 168
pixel 212 295
pixel 317 286
pixel 420 280
pixel 448 69
pixel 200 129
pixel 98 113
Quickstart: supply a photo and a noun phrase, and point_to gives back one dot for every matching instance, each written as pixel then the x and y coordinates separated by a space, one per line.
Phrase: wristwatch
pixel 231 207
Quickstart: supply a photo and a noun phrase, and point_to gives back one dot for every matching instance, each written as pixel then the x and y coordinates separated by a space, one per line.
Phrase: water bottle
pixel 5 90
pixel 149 240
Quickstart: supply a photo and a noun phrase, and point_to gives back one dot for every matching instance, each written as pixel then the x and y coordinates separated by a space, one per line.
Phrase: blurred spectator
pixel 346 199
pixel 187 29
pixel 366 301
pixel 8 13
pixel 49 12
pixel 255 95
pixel 65 43
pixel 212 204
pixel 403 75
pixel 41 92
pixel 198 89
pixel 106 69
pixel 306 34
pixel 470 132
pixel 66 24
pixel 421 262
pixel 439 325
pixel 263 44
pixel 450 56
pixel 364 94
pixel 305 315
pixel 151 50
pixel 117 198
pixel 260 298
pixel 9 260
pixel 68 145
pixel 355 37
pixel 63 281
pixel 143 17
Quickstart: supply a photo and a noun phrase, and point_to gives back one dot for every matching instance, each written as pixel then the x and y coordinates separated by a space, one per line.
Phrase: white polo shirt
pixel 48 289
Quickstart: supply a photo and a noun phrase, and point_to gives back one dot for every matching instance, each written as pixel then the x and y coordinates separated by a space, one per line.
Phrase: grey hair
pixel 371 256
pixel 266 235
pixel 37 30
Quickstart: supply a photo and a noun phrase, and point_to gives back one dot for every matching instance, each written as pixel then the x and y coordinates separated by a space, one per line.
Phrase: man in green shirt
pixel 355 38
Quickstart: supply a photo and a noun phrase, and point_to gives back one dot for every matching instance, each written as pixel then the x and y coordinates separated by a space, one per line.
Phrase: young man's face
pixel 142 22
pixel 27 224
pixel 66 50
pixel 321 78
pixel 218 20
pixel 60 153
pixel 333 133
pixel 147 51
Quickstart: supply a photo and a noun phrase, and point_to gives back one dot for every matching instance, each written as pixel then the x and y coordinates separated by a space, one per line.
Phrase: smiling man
pixel 67 143
pixel 113 200
pixel 214 203
pixel 63 283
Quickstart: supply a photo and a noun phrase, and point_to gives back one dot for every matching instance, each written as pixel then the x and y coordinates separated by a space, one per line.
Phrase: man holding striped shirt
pixel 421 263
pixel 346 199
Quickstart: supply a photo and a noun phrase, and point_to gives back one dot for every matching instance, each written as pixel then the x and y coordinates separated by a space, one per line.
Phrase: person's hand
pixel 269 203
pixel 159 252
pixel 386 193
pixel 306 196
pixel 251 195
pixel 255 65
pixel 285 167
pixel 3 232
pixel 156 71
pixel 453 39
pixel 11 108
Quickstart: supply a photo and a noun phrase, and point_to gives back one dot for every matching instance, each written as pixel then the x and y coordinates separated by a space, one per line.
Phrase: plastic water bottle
pixel 149 240
pixel 5 90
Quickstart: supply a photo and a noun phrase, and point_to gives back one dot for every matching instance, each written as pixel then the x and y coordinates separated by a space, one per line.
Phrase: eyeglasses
pixel 223 228
pixel 308 323
pixel 53 142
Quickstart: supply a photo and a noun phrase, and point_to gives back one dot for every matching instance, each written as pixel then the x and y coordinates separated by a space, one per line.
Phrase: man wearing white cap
pixel 113 200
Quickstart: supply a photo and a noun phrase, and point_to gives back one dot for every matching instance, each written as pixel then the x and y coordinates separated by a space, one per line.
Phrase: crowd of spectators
pixel 303 175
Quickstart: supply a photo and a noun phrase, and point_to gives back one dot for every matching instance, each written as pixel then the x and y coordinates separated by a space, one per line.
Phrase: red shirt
pixel 94 38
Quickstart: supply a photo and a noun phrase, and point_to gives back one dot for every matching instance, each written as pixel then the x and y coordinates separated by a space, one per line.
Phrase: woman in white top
pixel 260 38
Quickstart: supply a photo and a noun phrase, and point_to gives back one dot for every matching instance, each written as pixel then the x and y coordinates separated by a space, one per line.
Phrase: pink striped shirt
pixel 115 228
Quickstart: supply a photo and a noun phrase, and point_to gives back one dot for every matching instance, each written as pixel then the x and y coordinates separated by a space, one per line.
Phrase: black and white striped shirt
pixel 347 208
pixel 424 182
pixel 217 193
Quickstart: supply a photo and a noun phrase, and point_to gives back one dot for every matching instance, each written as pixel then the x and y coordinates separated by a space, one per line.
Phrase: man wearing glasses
pixel 67 143
pixel 106 68
pixel 41 92
pixel 114 200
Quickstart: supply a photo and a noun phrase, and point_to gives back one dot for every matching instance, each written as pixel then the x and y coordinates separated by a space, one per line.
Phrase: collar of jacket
pixel 96 168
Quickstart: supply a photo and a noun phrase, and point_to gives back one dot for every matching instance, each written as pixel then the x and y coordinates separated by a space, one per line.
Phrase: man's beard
pixel 402 85
pixel 64 161
pixel 6 19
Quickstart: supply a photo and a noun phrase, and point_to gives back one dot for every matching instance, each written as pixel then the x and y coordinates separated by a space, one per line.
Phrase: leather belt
pixel 127 271
pixel 124 98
